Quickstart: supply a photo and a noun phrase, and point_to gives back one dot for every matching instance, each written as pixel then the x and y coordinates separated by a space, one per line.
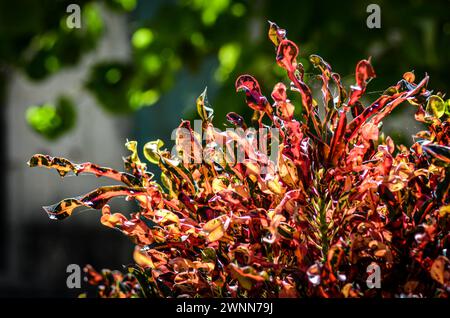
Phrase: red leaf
pixel 254 97
pixel 279 93
pixel 287 55
pixel 363 74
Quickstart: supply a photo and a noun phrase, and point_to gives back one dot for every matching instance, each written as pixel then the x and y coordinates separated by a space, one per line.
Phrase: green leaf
pixel 132 146
pixel 151 150
pixel 203 108
pixel 436 106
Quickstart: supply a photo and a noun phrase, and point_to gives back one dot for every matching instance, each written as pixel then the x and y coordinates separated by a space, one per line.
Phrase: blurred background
pixel 134 69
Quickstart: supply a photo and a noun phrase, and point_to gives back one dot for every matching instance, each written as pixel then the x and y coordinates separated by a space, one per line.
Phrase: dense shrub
pixel 339 197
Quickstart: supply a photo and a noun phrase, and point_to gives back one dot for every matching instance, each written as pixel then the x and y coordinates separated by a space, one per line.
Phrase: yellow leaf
pixel 165 216
pixel 216 228
pixel 247 275
pixel 287 170
pixel 219 184
pixel 436 106
pixel 141 259
pixel 444 210
pixel 437 270
pixel 409 77
pixel 275 186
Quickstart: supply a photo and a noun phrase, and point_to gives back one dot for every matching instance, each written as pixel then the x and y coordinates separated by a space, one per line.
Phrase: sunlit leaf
pixel 236 119
pixel 64 166
pixel 94 200
pixel 254 97
pixel 364 73
pixel 439 270
pixel 436 106
pixel 151 150
pixel 247 276
pixel 409 77
pixel 287 55
pixel 216 228
pixel 206 113
pixel 276 34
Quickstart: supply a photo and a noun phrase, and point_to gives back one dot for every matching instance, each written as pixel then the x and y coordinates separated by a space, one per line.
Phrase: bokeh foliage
pixel 169 36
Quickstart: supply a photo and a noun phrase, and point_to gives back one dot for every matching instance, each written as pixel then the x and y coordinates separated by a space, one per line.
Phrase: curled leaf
pixel 287 55
pixel 151 150
pixel 203 108
pixel 276 34
pixel 216 228
pixel 279 93
pixel 436 106
pixel 364 73
pixel 236 119
pixel 247 276
pixel 254 97
pixel 94 200
pixel 64 166
pixel 409 77
pixel 247 83
pixel 440 270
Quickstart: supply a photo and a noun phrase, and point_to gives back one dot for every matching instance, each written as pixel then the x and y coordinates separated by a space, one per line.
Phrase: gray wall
pixel 35 243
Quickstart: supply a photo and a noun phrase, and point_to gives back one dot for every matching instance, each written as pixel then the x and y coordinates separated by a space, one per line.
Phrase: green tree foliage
pixel 169 36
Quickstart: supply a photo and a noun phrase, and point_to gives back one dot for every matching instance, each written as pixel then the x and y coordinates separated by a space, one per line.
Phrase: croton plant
pixel 339 197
